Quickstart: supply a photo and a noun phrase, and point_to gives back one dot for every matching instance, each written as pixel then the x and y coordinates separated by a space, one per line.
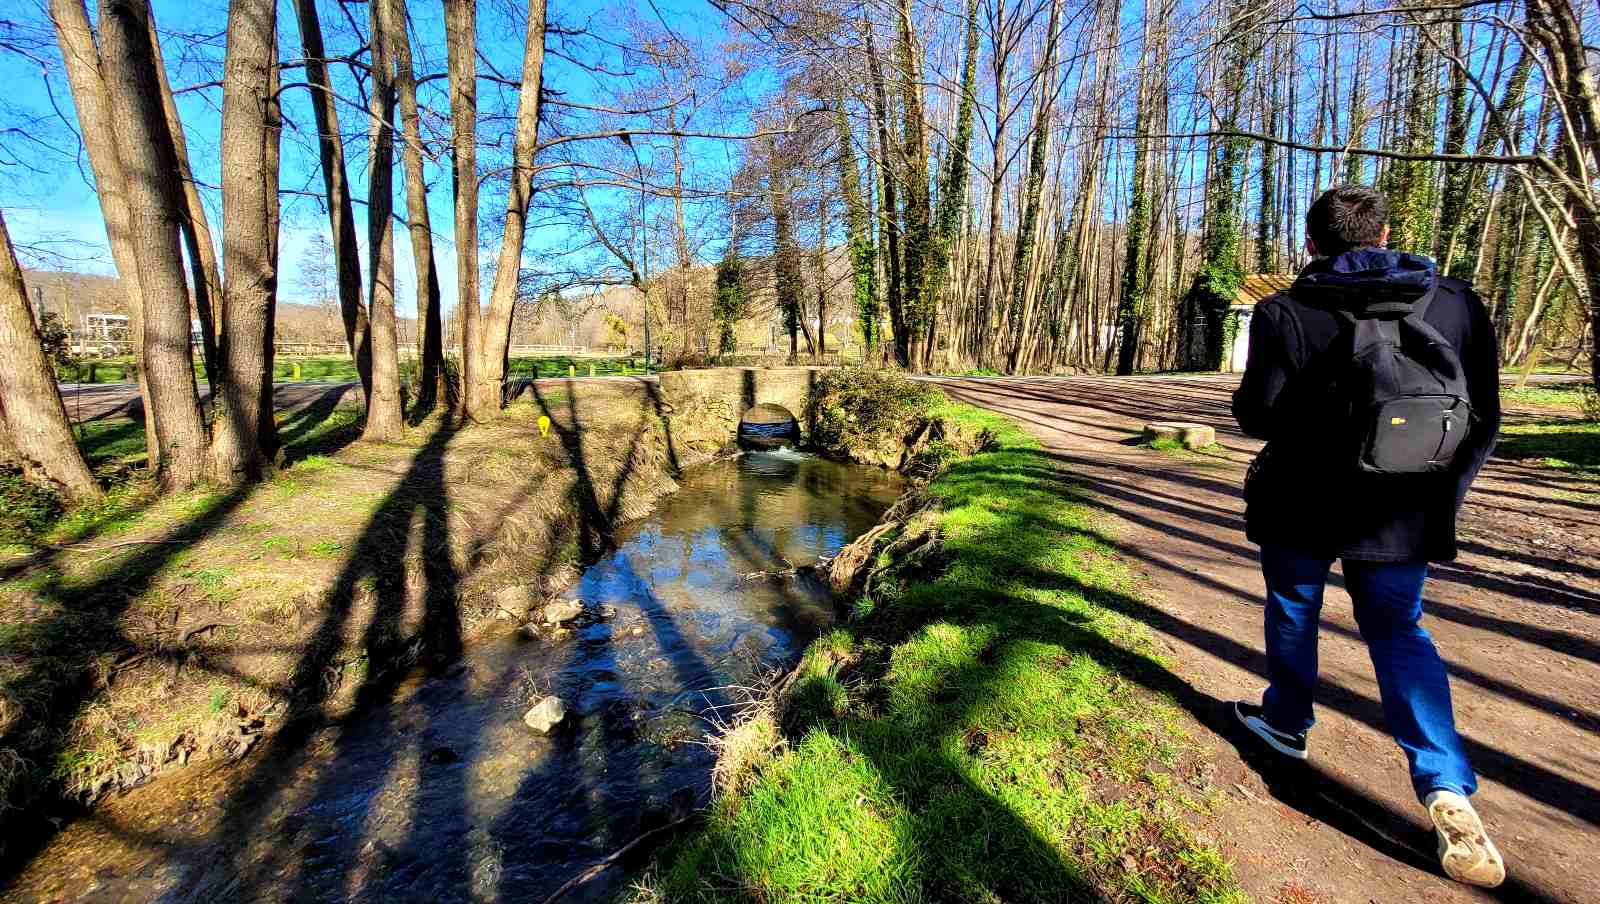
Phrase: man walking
pixel 1375 382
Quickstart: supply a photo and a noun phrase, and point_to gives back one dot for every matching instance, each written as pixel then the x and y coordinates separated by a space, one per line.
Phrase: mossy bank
pixel 987 726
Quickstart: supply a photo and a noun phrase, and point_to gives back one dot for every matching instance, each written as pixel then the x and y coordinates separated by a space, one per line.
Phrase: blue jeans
pixel 1411 676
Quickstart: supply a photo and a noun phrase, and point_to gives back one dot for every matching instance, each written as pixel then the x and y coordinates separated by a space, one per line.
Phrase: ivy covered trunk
pixel 1221 274
pixel 1409 183
pixel 858 235
pixel 953 184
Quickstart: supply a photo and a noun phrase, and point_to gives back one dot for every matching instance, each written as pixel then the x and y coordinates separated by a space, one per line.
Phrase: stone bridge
pixel 697 412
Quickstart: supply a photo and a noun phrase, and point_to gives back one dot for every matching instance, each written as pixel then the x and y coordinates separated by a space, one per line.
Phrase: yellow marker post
pixel 572 370
pixel 294 371
pixel 591 370
pixel 544 425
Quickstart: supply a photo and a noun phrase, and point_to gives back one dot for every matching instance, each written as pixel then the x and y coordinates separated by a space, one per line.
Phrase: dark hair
pixel 1345 217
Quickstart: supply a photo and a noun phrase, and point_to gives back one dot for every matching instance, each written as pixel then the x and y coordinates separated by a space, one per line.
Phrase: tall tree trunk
pixel 336 184
pixel 1409 183
pixel 242 383
pixel 30 403
pixel 267 427
pixel 1267 212
pixel 1220 276
pixel 858 235
pixel 461 37
pixel 984 316
pixel 953 184
pixel 419 224
pixel 1556 29
pixel 1028 228
pixel 1475 199
pixel 889 207
pixel 204 276
pixel 1457 176
pixel 785 255
pixel 1135 268
pixel 484 394
pixel 156 216
pixel 680 234
pixel 82 62
pixel 383 408
pixel 1355 164
pixel 918 235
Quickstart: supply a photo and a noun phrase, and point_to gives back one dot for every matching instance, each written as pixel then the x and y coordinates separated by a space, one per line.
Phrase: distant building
pixel 1257 288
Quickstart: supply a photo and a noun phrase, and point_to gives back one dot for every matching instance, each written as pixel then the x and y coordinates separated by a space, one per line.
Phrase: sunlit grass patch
pixel 1565 445
pixel 1567 396
pixel 993 730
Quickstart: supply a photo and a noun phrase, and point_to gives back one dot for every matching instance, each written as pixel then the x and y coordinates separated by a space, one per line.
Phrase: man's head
pixel 1345 217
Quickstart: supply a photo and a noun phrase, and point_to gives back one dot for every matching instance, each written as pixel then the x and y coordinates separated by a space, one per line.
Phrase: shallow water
pixel 442 794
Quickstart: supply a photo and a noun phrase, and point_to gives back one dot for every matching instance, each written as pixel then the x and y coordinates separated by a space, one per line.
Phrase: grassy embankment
pixel 148 629
pixel 988 725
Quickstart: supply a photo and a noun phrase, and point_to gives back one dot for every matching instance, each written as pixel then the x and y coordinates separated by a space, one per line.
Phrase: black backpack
pixel 1406 390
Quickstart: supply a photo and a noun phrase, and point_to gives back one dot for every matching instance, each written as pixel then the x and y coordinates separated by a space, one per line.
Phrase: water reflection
pixel 443 795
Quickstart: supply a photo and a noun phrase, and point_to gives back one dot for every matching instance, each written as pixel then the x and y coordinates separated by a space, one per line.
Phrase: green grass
pixel 558 366
pixel 1562 444
pixel 340 369
pixel 31 516
pixel 114 439
pixel 1558 395
pixel 995 729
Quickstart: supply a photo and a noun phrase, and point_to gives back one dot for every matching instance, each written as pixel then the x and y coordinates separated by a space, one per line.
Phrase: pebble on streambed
pixel 545 714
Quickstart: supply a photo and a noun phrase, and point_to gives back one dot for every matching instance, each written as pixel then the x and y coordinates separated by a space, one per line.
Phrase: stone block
pixel 1192 436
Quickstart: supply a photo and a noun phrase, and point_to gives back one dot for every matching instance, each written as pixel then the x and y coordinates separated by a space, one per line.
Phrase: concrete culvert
pixel 768 427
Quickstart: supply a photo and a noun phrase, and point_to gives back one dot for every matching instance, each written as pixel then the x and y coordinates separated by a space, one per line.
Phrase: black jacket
pixel 1304 495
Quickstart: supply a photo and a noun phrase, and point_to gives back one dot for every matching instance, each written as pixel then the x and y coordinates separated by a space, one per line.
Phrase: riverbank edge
pixel 985 726
pixel 147 658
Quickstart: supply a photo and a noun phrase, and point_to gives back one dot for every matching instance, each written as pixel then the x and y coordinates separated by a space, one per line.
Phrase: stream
pixel 442 793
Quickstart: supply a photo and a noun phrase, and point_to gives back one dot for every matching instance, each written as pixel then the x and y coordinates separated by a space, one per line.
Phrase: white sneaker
pixel 1465 851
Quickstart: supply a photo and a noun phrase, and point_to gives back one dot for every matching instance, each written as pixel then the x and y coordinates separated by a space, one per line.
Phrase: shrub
pixel 863 414
pixel 1589 402
pixel 27 510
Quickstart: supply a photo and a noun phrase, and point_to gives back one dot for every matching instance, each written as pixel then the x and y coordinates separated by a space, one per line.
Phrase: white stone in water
pixel 561 611
pixel 545 714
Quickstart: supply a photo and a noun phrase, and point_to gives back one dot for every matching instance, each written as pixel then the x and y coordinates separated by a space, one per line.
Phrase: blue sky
pixel 51 199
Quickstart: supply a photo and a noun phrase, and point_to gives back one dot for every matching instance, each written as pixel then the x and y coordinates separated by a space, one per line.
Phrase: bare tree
pixel 156 217
pixel 418 223
pixel 81 59
pixel 483 394
pixel 31 413
pixel 460 20
pixel 336 185
pixel 383 406
pixel 240 448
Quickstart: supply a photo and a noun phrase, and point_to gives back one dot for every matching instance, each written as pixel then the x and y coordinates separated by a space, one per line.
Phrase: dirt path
pixel 1517 618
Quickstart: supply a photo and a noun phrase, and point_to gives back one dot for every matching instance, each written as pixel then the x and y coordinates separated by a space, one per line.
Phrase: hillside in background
pixel 74 295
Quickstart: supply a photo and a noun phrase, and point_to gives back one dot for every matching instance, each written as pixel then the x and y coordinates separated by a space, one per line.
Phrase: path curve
pixel 1517 618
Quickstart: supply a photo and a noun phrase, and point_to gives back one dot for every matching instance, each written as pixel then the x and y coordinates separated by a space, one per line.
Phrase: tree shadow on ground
pixel 1307 788
pixel 975 592
pixel 275 837
pixel 69 654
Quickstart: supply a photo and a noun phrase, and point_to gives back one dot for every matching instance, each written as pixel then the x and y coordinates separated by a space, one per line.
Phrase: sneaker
pixel 1465 851
pixel 1290 745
